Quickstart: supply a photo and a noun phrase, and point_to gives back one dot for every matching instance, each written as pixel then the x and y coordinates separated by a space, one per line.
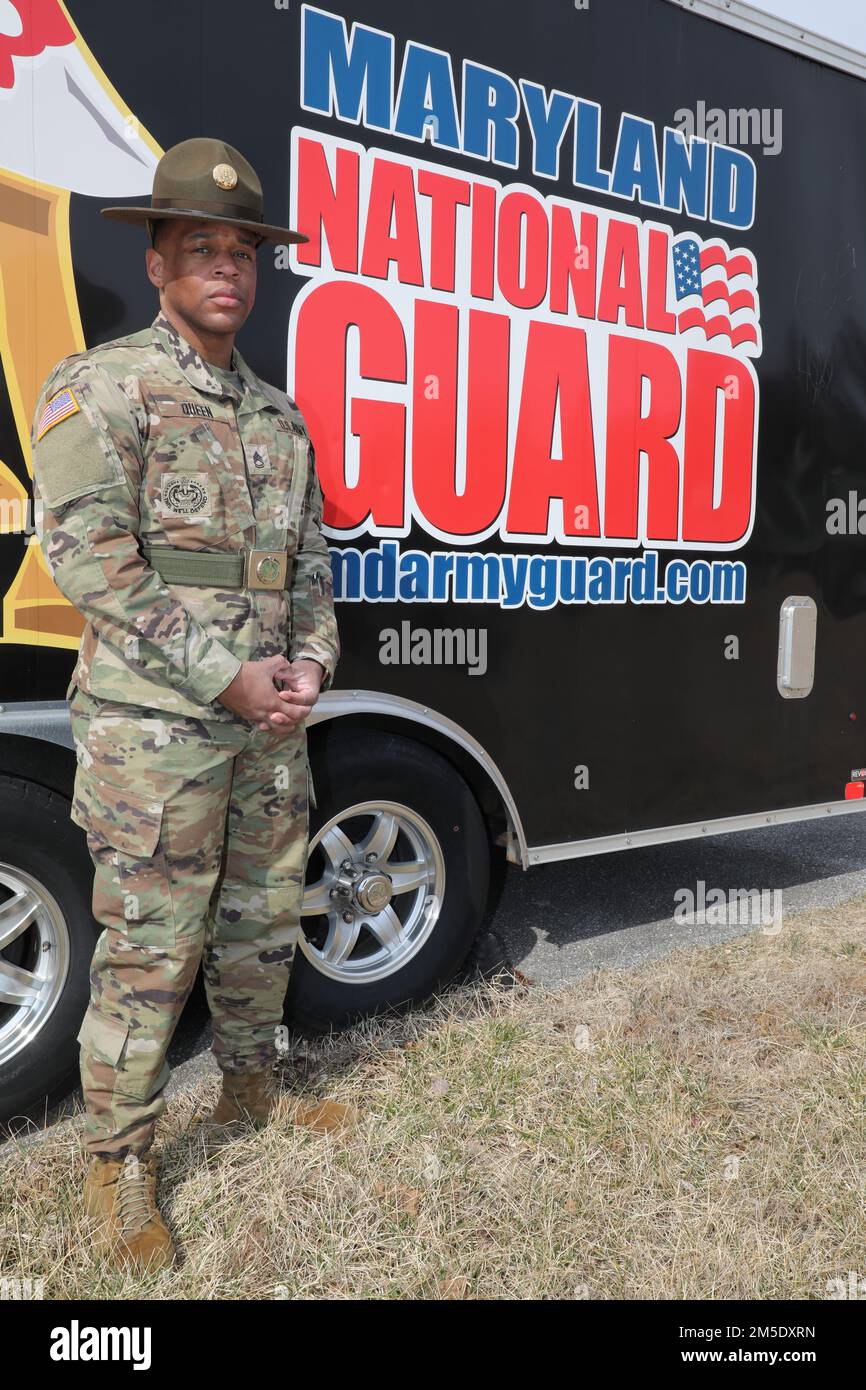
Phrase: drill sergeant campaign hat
pixel 205 178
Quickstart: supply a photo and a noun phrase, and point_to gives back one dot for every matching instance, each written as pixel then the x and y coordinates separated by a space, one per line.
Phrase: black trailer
pixel 579 338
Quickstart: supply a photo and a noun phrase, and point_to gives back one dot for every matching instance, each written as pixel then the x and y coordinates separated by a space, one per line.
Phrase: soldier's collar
pixel 198 372
pixel 254 398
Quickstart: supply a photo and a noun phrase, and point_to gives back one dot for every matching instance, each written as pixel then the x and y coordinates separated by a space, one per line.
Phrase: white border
pixel 782 32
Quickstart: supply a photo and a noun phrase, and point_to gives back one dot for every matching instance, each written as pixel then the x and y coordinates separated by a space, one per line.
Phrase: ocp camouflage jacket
pixel 137 441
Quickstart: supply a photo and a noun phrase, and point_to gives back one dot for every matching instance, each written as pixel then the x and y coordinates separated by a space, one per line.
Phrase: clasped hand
pixel 274 693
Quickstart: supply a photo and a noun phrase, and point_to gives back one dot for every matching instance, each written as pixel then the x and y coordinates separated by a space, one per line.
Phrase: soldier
pixel 178 509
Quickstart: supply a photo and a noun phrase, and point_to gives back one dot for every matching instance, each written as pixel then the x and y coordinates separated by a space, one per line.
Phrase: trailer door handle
pixel 798 621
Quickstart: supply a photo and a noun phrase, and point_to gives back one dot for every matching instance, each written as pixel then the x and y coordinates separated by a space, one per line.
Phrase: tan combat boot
pixel 119 1193
pixel 328 1114
pixel 247 1096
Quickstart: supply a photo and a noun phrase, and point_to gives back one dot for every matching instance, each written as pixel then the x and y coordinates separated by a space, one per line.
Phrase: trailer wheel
pixel 47 938
pixel 397 878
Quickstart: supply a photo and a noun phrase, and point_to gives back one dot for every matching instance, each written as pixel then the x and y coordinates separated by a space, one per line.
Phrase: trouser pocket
pixel 140 1068
pixel 131 889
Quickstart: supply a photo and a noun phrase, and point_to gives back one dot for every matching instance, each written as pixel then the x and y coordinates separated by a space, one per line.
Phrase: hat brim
pixel 139 216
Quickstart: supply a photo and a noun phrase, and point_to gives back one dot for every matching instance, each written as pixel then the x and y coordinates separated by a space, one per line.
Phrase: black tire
pixel 38 839
pixel 350 766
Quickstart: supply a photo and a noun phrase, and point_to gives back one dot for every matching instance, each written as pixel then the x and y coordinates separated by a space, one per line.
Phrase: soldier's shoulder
pixel 102 381
pixel 116 358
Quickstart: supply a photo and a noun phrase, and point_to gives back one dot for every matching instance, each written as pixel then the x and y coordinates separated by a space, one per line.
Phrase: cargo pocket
pixel 104 1038
pixel 123 834
pixel 107 1040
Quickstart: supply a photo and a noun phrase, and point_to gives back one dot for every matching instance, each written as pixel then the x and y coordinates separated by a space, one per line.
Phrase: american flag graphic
pixel 703 276
pixel 62 403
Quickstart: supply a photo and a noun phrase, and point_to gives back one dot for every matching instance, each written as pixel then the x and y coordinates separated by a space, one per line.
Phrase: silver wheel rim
pixel 34 959
pixel 379 884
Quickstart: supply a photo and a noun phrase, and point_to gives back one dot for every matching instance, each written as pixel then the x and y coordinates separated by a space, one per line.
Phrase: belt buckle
pixel 264 569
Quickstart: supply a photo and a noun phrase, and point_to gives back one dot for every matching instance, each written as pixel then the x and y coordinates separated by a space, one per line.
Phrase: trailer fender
pixel 335 704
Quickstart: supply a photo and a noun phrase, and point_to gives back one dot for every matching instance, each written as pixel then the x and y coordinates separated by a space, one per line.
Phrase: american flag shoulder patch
pixel 61 404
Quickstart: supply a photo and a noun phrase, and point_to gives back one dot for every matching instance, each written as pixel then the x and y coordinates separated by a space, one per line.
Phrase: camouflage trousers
pixel 198 834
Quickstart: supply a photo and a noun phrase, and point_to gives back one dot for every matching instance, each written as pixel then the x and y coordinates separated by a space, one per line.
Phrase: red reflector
pixel 853 790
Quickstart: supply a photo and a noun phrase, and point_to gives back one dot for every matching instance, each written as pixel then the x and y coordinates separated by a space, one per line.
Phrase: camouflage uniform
pixel 196 819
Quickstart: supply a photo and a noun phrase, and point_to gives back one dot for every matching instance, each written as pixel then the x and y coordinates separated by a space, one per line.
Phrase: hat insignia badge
pixel 225 176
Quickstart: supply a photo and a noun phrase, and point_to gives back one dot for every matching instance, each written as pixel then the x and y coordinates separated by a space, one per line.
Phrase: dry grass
pixel 693 1129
